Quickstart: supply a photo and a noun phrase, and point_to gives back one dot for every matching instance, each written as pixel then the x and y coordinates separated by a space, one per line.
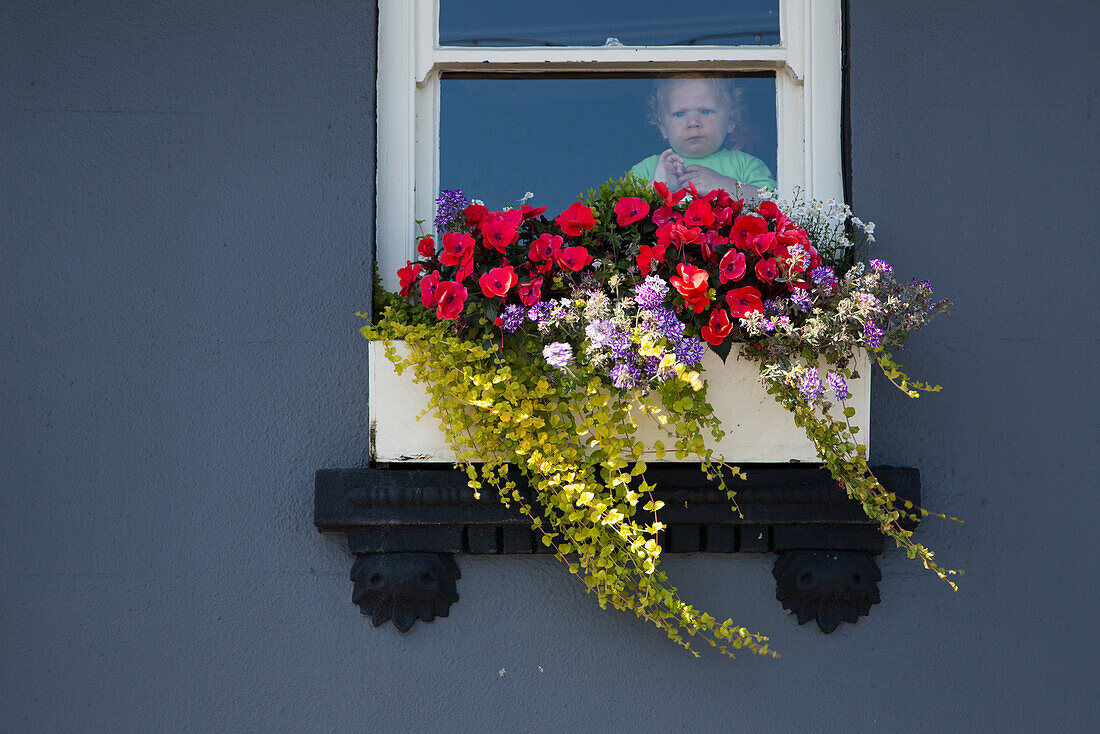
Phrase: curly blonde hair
pixel 724 87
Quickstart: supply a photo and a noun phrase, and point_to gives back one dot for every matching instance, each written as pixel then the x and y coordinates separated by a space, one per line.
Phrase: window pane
pixel 588 23
pixel 559 135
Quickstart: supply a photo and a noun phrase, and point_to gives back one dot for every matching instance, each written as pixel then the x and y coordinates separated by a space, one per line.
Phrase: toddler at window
pixel 696 114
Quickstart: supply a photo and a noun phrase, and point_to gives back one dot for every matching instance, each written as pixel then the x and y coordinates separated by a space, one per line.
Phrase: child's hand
pixel 670 169
pixel 707 179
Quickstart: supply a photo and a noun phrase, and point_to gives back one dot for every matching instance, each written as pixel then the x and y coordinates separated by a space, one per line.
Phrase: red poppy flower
pixel 407 275
pixel 500 229
pixel 465 267
pixel 428 287
pixel 709 244
pixel 767 270
pixel 474 213
pixel 691 283
pixel 530 292
pixel 718 327
pixel 767 209
pixel 745 229
pixel 544 247
pixel 731 267
pixel 497 282
pixel 664 215
pixel 670 199
pixel 698 214
pixel 723 215
pixel 629 210
pixel 426 247
pixel 646 256
pixel 576 219
pixel 572 258
pixel 456 247
pixel 664 235
pixel 450 299
pixel 743 301
pixel 682 235
pixel 764 243
pixel 530 212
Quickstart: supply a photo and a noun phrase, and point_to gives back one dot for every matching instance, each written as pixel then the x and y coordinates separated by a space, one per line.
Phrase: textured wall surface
pixel 185 235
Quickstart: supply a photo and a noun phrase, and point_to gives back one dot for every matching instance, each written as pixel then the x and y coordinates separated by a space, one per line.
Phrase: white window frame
pixel 411 61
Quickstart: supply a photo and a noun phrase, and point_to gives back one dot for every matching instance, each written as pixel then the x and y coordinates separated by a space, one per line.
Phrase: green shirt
pixel 733 163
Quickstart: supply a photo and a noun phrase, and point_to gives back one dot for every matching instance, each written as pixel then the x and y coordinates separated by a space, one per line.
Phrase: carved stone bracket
pixel 829 586
pixel 405 523
pixel 405 587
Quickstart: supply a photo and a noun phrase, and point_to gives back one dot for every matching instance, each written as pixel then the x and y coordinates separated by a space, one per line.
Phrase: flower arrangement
pixel 543 344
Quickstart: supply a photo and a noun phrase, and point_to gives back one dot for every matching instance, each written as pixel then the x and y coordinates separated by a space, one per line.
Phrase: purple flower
pixel 839 386
pixel 625 375
pixel 651 292
pixel 599 332
pixel 447 207
pixel 811 385
pixel 881 266
pixel 665 322
pixel 824 277
pixel 513 317
pixel 922 284
pixel 872 335
pixel 621 346
pixel 558 354
pixel 801 298
pixel 690 351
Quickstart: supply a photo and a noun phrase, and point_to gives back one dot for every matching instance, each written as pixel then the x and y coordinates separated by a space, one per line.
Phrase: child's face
pixel 695 119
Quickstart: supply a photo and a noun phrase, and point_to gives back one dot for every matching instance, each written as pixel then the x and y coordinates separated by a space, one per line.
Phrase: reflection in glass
pixel 558 135
pixel 587 23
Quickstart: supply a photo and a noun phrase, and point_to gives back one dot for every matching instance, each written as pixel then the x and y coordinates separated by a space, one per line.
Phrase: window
pixel 428 49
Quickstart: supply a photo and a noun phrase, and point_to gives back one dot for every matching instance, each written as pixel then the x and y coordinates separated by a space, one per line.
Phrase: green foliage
pixel 576 445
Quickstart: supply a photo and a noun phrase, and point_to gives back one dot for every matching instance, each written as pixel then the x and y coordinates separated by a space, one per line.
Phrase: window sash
pixel 410 62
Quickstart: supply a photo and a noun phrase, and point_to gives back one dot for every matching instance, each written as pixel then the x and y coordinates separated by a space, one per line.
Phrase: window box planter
pixel 758 430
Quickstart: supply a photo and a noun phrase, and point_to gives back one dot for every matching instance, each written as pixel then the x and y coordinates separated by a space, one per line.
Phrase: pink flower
pixel 497 282
pixel 669 198
pixel 544 247
pixel 731 267
pixel 530 292
pixel 647 255
pixel 682 235
pixel 572 258
pixel 691 283
pixel 456 247
pixel 764 243
pixel 768 210
pixel 426 247
pixel 745 229
pixel 767 270
pixel 450 299
pixel 407 275
pixel 699 214
pixel 428 287
pixel 575 219
pixel 500 229
pixel 718 327
pixel 630 209
pixel 474 213
pixel 743 301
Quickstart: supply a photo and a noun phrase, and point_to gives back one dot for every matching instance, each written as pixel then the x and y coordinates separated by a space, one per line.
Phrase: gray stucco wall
pixel 185 237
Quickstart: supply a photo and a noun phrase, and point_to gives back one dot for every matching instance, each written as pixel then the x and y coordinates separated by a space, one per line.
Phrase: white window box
pixel 758 430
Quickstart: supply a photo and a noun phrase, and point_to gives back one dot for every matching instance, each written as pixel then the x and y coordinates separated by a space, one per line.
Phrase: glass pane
pixel 588 23
pixel 559 135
